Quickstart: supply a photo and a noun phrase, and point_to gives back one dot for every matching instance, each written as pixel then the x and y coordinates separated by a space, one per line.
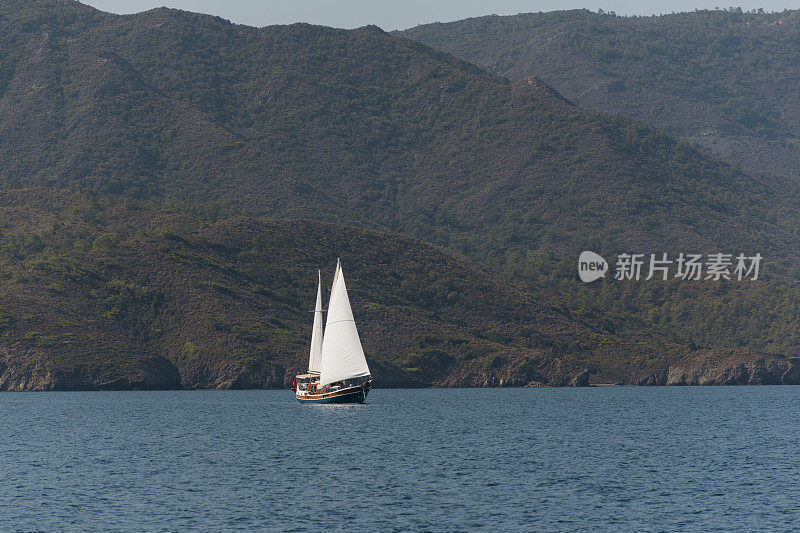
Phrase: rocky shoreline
pixel 735 369
pixel 158 373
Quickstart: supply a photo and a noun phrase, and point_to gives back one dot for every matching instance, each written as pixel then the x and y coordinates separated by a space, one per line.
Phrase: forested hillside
pixel 725 79
pixel 103 294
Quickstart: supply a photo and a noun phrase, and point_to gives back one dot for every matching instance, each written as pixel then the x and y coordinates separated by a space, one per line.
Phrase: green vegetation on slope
pixel 105 294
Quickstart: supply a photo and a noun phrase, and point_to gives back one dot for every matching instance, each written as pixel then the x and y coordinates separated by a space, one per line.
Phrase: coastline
pixel 700 369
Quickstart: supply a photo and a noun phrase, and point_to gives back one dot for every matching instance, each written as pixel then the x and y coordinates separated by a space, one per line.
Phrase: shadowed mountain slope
pixel 726 80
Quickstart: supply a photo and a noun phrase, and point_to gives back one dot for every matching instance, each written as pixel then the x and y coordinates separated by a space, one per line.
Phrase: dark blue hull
pixel 356 396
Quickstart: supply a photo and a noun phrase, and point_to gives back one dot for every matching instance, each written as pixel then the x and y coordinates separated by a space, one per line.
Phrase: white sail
pixel 342 355
pixel 315 357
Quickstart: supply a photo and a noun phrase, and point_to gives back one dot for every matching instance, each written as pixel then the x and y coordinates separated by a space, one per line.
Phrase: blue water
pixel 660 459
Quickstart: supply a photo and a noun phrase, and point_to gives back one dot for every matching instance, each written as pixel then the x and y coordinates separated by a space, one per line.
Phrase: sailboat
pixel 337 368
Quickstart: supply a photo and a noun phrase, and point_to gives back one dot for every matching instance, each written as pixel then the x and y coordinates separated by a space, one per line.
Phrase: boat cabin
pixel 302 381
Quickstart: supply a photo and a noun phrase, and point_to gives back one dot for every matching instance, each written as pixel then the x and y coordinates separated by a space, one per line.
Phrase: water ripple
pixel 644 459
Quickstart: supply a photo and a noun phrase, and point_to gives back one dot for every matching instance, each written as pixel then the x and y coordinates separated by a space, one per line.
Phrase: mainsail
pixel 315 357
pixel 342 355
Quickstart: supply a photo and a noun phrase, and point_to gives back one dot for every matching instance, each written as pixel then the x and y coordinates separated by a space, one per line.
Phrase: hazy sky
pixel 400 14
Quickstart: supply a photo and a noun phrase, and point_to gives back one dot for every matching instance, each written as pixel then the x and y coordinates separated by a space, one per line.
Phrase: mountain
pixel 351 126
pixel 725 79
pixel 173 181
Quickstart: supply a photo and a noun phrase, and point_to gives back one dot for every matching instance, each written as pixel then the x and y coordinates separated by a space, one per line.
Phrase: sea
pixel 538 459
